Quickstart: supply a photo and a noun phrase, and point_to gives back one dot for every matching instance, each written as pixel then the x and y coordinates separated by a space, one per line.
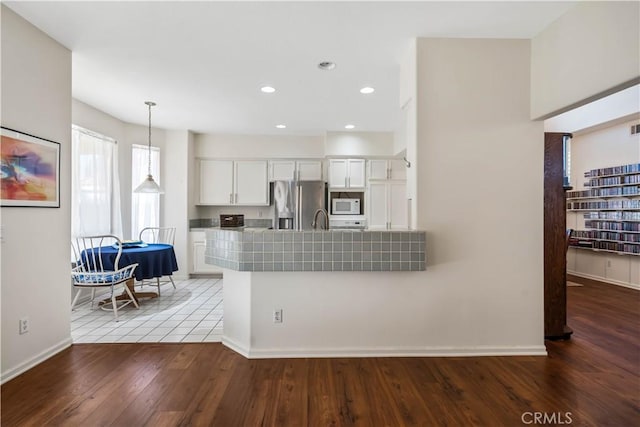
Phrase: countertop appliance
pixel 347 222
pixel 296 202
pixel 345 206
pixel 232 220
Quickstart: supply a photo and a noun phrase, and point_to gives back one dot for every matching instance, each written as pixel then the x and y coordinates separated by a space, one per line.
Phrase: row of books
pixel 617 216
pixel 614 170
pixel 607 235
pixel 609 246
pixel 610 204
pixel 604 192
pixel 616 226
pixel 613 180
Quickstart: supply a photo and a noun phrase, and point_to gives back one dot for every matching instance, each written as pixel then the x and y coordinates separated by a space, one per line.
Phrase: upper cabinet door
pixel 397 201
pixel 252 183
pixel 378 206
pixel 397 169
pixel 338 173
pixel 309 170
pixel 356 173
pixel 378 169
pixel 216 182
pixel 283 170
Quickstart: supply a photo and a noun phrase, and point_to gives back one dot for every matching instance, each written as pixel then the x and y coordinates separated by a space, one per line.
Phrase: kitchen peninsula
pixel 283 290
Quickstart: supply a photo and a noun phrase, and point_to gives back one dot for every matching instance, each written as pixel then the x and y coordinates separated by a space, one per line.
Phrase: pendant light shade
pixel 149 185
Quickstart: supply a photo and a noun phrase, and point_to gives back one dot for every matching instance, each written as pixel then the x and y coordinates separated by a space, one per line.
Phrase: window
pixel 95 189
pixel 145 208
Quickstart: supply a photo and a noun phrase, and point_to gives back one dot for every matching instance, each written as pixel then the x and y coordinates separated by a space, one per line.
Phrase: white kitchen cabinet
pixel 309 170
pixel 387 169
pixel 301 170
pixel 387 205
pixel 198 245
pixel 347 173
pixel 234 182
pixel 216 182
pixel 251 182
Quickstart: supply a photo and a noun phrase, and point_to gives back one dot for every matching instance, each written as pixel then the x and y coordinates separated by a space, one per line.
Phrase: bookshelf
pixel 610 206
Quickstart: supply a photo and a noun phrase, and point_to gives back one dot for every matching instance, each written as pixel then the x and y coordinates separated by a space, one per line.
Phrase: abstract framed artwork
pixel 29 170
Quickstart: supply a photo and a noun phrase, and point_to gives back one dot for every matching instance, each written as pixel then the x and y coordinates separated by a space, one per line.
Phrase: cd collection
pixel 612 225
pixel 614 170
pixel 616 226
pixel 608 205
pixel 615 216
pixel 613 180
pixel 604 192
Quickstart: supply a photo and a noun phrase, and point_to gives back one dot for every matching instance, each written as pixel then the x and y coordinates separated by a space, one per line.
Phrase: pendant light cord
pixel 150 104
pixel 149 138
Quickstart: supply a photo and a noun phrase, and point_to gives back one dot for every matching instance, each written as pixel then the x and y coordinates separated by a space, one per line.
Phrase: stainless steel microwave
pixel 345 207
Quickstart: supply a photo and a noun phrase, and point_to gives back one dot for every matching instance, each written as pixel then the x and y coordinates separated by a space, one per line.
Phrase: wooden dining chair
pixel 88 271
pixel 166 235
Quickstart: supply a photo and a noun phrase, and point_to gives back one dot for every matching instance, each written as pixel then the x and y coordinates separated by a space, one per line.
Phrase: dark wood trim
pixel 555 252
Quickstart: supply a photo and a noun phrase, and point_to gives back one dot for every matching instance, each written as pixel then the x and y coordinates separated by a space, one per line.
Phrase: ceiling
pixel 204 63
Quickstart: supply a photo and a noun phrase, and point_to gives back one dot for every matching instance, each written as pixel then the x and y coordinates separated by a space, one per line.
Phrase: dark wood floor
pixel 594 377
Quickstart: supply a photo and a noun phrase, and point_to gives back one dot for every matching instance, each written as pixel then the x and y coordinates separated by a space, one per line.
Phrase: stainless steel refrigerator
pixel 296 202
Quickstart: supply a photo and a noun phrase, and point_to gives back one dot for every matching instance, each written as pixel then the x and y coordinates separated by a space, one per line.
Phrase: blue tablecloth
pixel 154 260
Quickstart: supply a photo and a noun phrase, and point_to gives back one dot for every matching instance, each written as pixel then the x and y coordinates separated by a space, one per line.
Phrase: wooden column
pixel 555 252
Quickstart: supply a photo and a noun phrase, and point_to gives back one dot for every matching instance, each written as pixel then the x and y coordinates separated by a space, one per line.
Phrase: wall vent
pixel 635 129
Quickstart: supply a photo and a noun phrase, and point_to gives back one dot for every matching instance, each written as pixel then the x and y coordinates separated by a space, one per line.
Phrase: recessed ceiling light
pixel 367 90
pixel 267 89
pixel 281 126
pixel 327 65
pixel 349 126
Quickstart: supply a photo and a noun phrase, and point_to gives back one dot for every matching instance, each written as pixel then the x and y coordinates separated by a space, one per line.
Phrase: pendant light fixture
pixel 149 185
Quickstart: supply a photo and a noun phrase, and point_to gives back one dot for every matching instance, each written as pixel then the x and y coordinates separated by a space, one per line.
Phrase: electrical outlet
pixel 609 263
pixel 277 315
pixel 24 325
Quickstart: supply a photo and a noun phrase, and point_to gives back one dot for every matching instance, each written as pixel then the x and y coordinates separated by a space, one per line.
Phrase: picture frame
pixel 29 170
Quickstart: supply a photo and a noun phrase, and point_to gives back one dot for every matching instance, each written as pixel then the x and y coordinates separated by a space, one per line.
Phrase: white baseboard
pixel 385 352
pixel 235 346
pixel 11 373
pixel 606 280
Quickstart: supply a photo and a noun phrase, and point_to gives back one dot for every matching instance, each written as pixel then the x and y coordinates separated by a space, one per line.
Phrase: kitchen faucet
pixel 315 219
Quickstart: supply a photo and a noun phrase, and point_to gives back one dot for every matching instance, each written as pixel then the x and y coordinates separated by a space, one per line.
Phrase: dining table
pixel 153 259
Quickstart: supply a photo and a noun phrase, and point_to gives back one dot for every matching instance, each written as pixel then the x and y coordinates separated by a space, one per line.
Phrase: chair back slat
pixel 165 235
pixel 87 252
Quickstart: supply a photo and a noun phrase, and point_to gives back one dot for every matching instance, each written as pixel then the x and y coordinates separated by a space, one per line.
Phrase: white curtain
pixel 145 207
pixel 95 186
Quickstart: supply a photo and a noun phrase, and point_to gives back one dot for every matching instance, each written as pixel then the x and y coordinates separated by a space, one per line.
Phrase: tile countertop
pixel 259 249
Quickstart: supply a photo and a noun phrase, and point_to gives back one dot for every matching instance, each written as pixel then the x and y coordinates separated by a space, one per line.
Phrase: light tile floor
pixel 190 313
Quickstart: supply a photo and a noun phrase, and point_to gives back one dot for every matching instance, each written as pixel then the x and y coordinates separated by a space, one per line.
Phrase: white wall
pixel 406 138
pixel 258 146
pixel 344 314
pixel 619 107
pixel 481 190
pixel 176 198
pixel 359 144
pixel 591 49
pixel 611 146
pixel 36 99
